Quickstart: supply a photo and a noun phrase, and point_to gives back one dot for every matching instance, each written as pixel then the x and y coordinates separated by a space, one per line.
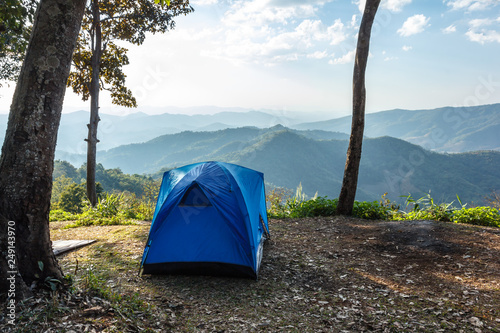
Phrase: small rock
pixel 476 322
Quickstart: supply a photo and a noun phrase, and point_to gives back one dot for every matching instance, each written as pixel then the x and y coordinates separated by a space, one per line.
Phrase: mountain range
pixel 316 160
pixel 402 157
pixel 448 129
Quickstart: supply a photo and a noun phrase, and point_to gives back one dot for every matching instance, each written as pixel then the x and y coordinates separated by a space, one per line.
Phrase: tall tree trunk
pixel 27 159
pixel 350 181
pixel 94 104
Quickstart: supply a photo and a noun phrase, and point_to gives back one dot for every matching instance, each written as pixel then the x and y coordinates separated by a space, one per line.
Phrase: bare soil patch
pixel 331 274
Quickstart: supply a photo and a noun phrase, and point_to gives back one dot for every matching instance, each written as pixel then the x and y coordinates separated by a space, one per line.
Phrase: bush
pixel 106 212
pixel 297 207
pixel 487 216
pixel 61 215
pixel 425 209
pixel 276 200
pixel 321 206
pixel 370 210
pixel 72 199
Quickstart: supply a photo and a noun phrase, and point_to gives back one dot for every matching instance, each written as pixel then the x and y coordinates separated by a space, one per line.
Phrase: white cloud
pixel 407 48
pixel 273 43
pixel 394 5
pixel 449 29
pixel 482 37
pixel 354 21
pixel 272 31
pixel 391 5
pixel 471 5
pixel 476 23
pixel 336 33
pixel 262 12
pixel 478 33
pixel 318 55
pixel 414 25
pixel 345 59
pixel 361 4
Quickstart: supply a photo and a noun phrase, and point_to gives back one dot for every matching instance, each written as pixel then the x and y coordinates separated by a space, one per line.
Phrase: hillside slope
pixel 449 129
pixel 289 158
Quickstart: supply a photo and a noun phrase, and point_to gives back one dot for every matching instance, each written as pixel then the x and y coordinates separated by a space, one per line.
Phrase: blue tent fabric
pixel 210 218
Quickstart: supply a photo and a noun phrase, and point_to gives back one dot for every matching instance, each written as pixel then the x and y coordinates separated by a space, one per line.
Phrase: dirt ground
pixel 332 274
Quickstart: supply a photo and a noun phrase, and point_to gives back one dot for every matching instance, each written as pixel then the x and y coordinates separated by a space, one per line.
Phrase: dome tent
pixel 210 218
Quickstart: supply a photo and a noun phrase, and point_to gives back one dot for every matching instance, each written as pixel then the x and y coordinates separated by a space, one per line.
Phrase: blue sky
pixel 291 55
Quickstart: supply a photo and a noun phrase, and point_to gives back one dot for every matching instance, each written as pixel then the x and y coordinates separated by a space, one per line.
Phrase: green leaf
pixel 163 2
pixel 40 266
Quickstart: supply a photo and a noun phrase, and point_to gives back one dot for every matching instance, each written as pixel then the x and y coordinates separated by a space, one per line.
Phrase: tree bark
pixel 27 158
pixel 94 105
pixel 350 181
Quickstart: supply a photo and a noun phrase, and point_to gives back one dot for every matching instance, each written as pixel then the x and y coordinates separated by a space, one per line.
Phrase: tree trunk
pixel 94 105
pixel 27 158
pixel 350 181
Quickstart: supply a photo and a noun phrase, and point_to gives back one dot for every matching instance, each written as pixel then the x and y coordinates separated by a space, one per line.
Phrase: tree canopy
pixel 16 17
pixel 121 20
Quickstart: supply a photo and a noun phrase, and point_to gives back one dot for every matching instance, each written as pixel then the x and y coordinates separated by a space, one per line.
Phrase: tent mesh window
pixel 195 197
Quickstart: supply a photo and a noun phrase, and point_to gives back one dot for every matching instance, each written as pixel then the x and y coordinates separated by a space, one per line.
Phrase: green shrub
pixel 106 212
pixel 425 209
pixel 72 198
pixel 487 216
pixel 321 206
pixel 276 200
pixel 133 208
pixel 61 215
pixel 370 210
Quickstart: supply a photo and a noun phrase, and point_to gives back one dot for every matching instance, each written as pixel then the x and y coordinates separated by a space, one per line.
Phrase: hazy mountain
pixel 114 131
pixel 449 129
pixel 313 158
pixel 445 129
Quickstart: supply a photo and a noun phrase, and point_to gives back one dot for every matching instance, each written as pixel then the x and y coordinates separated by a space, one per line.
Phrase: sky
pixel 291 55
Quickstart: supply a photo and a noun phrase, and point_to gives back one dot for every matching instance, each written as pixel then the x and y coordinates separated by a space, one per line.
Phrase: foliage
pixel 369 210
pixel 321 206
pixel 72 198
pixel 61 215
pixel 111 180
pixel 131 197
pixel 122 208
pixel 275 201
pixel 121 20
pixel 426 209
pixel 16 17
pixel 137 208
pixel 487 216
pixel 104 213
pixel 298 207
pixel 59 185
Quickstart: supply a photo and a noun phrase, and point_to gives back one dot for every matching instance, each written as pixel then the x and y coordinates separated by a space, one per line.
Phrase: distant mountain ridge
pixel 308 154
pixel 448 129
pixel 316 160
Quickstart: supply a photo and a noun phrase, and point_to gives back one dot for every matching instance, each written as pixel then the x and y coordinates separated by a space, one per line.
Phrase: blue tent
pixel 210 218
